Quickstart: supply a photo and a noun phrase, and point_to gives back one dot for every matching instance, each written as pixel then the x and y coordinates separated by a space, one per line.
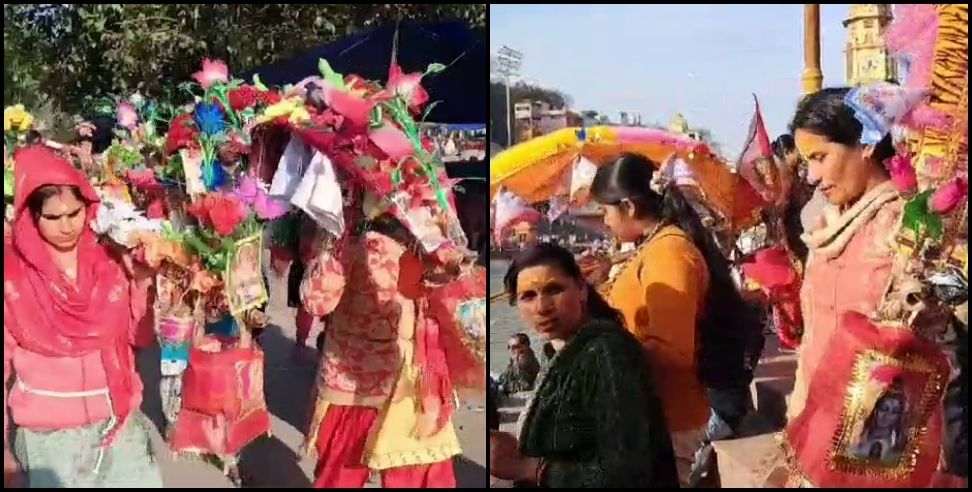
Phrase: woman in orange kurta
pixel 678 299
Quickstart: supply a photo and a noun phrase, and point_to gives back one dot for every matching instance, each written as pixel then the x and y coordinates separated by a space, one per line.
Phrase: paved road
pixel 273 462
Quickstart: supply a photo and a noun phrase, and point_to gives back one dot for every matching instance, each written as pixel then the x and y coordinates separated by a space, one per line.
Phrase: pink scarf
pixel 44 311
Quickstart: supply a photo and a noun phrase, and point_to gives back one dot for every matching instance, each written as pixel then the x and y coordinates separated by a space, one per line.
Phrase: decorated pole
pixel 812 75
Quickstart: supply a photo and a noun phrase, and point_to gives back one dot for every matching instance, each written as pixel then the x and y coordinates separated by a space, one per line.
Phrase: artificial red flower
pixel 182 134
pixel 243 97
pixel 269 98
pixel 226 213
pixel 327 118
pixel 156 209
pixel 220 211
pixel 428 144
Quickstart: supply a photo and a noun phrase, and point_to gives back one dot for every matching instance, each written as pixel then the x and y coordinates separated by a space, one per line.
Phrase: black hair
pixel 35 202
pixel 559 257
pixel 726 323
pixel 34 137
pixel 783 145
pixel 825 113
pixel 101 135
pixel 522 338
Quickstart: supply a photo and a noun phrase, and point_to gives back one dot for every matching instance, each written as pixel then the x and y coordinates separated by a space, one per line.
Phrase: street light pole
pixel 509 110
pixel 510 61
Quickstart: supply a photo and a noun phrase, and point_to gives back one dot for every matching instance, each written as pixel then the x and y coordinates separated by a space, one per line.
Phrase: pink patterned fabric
pixel 362 357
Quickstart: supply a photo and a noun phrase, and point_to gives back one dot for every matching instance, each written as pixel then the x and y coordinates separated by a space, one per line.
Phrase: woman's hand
pixel 506 461
pixel 595 268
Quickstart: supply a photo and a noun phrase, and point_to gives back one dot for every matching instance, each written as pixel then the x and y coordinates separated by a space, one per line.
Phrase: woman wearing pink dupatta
pixel 70 317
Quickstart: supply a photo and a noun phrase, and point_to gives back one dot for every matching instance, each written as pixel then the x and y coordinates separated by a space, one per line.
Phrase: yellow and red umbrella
pixel 535 169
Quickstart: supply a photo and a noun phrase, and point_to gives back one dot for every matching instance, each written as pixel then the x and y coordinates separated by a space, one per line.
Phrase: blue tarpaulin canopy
pixel 461 87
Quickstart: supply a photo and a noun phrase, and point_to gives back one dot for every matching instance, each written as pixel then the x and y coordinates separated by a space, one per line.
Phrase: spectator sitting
pixel 521 373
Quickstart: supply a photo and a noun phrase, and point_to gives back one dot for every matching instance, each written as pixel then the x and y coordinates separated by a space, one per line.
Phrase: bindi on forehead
pixel 538 277
pixel 807 143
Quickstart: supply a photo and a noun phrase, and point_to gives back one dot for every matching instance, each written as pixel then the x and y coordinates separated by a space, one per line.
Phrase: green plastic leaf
pixel 435 68
pixel 396 177
pixel 332 77
pixel 428 110
pixel 376 117
pixel 259 83
pixel 935 227
pixel 920 219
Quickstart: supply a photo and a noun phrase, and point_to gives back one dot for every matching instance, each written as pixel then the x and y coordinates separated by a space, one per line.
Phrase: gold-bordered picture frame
pixel 243 278
pixel 915 386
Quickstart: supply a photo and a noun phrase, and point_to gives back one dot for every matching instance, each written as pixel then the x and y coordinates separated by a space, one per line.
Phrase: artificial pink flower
pixel 126 115
pixel 903 174
pixel 213 71
pixel 144 179
pixel 355 109
pixel 408 86
pixel 949 196
pixel 392 141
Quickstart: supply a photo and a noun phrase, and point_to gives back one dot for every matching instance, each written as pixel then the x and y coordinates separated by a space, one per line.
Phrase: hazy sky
pixel 701 60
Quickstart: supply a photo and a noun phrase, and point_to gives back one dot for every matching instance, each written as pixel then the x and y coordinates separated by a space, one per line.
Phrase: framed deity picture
pixel 244 276
pixel 883 413
pixel 873 417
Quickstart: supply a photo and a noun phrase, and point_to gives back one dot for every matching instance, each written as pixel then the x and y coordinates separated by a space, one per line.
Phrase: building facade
pixel 867 58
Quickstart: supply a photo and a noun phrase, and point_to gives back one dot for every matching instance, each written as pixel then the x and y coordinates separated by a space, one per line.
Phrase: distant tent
pixel 461 87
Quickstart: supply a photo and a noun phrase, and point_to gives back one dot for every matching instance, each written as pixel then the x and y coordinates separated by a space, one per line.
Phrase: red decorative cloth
pixel 223 405
pixel 873 416
pixel 340 445
pixel 776 275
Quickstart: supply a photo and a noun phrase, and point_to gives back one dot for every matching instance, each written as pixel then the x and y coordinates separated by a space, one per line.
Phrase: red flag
pixel 756 164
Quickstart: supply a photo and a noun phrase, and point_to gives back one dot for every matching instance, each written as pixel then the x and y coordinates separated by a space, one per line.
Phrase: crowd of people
pixel 85 289
pixel 654 358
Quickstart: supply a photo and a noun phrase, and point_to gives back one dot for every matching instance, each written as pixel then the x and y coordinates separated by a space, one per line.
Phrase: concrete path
pixel 274 462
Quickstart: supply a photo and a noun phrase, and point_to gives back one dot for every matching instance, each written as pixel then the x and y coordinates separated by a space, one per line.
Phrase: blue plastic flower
pixel 213 174
pixel 209 118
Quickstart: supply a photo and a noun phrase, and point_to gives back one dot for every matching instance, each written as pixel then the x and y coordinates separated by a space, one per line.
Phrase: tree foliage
pixel 78 54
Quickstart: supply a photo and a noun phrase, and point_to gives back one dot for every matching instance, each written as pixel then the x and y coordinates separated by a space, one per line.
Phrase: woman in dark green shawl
pixel 595 420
